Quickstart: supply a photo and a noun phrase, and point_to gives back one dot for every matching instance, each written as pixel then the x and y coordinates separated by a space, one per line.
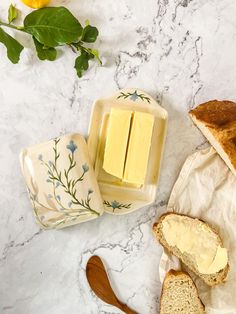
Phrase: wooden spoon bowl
pixel 99 283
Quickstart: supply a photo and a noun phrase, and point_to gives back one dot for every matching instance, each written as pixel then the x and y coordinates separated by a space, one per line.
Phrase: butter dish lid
pixel 61 182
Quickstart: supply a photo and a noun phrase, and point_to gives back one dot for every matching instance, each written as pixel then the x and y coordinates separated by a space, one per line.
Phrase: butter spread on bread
pixel 217 121
pixel 196 239
pixel 196 244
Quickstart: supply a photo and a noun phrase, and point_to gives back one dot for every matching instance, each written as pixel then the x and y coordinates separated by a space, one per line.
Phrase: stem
pixel 72 48
pixel 79 179
pixel 86 208
pixel 94 212
pixel 18 28
pixel 56 199
pixel 79 47
pixel 37 216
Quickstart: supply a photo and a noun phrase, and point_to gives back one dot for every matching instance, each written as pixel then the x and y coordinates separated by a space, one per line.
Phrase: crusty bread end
pixel 217 121
pixel 179 295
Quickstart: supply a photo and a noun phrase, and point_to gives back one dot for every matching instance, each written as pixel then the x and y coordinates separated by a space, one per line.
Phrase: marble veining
pixel 181 52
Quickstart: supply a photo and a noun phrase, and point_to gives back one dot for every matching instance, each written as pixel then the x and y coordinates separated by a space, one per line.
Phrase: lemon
pixel 36 4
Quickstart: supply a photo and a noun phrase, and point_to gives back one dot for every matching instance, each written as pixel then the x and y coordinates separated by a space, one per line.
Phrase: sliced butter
pixel 220 260
pixel 138 148
pixel 117 141
pixel 195 238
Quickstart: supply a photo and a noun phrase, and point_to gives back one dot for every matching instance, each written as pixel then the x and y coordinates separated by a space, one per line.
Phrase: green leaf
pixel 14 48
pixel 53 26
pixel 43 52
pixel 89 34
pixel 12 13
pixel 96 55
pixel 87 22
pixel 81 62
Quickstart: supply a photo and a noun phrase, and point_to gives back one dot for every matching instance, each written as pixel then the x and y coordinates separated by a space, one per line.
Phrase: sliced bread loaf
pixel 196 244
pixel 179 295
pixel 217 121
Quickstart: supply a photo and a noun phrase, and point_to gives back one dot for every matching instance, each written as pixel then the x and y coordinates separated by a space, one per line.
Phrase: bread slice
pixel 187 259
pixel 179 295
pixel 217 121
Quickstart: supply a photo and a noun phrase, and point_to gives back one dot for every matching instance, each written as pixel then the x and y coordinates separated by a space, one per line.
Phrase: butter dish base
pixel 120 197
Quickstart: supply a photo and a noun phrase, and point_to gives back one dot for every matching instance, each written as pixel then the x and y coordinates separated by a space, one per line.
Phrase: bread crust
pixel 209 279
pixel 177 273
pixel 219 117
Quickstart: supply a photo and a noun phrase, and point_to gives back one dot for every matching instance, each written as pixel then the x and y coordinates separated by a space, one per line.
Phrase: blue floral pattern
pixel 61 179
pixel 116 205
pixel 85 168
pixel 72 147
pixel 40 157
pixel 134 96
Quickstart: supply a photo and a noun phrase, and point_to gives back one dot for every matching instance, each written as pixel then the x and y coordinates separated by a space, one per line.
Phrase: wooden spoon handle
pixel 127 310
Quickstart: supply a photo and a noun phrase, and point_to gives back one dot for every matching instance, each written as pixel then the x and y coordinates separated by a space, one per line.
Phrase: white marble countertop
pixel 181 52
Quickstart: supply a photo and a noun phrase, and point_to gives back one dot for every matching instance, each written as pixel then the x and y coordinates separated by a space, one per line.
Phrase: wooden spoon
pixel 99 283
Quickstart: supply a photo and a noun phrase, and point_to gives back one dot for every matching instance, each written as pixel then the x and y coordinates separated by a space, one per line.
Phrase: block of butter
pixel 128 144
pixel 117 141
pixel 138 148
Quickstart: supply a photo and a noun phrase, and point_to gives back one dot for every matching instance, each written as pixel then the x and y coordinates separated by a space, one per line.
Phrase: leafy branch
pixel 68 215
pixel 116 205
pixel 134 96
pixel 69 185
pixel 50 28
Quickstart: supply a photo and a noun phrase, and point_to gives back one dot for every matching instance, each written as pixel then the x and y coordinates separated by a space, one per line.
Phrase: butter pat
pixel 220 260
pixel 138 148
pixel 117 142
pixel 195 238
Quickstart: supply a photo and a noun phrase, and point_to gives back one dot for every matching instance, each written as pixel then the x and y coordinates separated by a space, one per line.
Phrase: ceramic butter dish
pixel 121 197
pixel 67 188
pixel 61 182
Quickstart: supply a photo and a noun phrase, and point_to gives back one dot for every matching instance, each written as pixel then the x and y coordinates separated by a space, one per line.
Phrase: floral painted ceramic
pixel 119 197
pixel 61 182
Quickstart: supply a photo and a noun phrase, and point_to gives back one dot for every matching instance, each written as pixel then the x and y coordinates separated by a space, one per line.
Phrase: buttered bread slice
pixel 179 295
pixel 196 244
